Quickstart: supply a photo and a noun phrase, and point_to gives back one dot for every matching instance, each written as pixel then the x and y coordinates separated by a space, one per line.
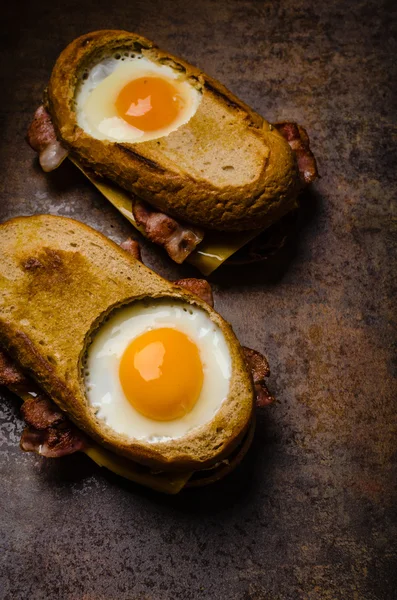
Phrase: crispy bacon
pixel 200 287
pixel 178 239
pixel 49 432
pixel 52 442
pixel 132 247
pixel 298 140
pixel 263 396
pixel 42 138
pixel 40 412
pixel 260 370
pixel 10 374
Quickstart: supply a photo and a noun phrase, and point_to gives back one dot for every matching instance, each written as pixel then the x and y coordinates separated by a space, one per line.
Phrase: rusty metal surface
pixel 310 514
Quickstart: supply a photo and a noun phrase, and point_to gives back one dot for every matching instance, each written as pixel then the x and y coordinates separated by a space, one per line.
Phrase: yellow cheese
pixel 168 483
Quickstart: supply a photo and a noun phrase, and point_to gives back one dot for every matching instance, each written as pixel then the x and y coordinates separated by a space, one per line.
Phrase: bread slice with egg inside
pixel 59 280
pixel 226 169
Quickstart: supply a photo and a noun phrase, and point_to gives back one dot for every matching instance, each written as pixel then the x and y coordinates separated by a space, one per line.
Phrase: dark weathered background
pixel 310 513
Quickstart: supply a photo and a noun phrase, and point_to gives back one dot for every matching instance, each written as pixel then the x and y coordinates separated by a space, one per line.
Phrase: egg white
pixel 101 85
pixel 103 388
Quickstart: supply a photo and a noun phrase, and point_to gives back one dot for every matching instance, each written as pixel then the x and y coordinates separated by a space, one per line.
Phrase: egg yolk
pixel 149 103
pixel 161 374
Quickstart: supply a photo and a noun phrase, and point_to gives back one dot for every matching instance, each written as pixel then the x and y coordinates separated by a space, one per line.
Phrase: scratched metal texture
pixel 310 513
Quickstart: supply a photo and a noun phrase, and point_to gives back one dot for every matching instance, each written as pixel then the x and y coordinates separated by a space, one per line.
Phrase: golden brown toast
pixel 59 279
pixel 226 169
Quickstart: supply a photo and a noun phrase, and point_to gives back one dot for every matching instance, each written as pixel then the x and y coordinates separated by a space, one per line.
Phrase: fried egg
pixel 157 369
pixel 129 98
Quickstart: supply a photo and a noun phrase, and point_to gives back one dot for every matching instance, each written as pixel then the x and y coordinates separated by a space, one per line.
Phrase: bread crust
pixel 58 280
pixel 260 187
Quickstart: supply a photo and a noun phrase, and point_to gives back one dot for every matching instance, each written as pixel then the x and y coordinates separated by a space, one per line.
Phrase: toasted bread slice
pixel 59 280
pixel 225 169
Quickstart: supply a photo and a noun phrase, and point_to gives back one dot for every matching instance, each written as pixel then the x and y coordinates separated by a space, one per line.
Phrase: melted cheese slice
pixel 168 483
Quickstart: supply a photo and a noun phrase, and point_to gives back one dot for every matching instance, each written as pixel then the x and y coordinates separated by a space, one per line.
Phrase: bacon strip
pixel 49 431
pixel 53 442
pixel 132 247
pixel 10 374
pixel 40 412
pixel 260 370
pixel 179 240
pixel 200 287
pixel 42 138
pixel 299 142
